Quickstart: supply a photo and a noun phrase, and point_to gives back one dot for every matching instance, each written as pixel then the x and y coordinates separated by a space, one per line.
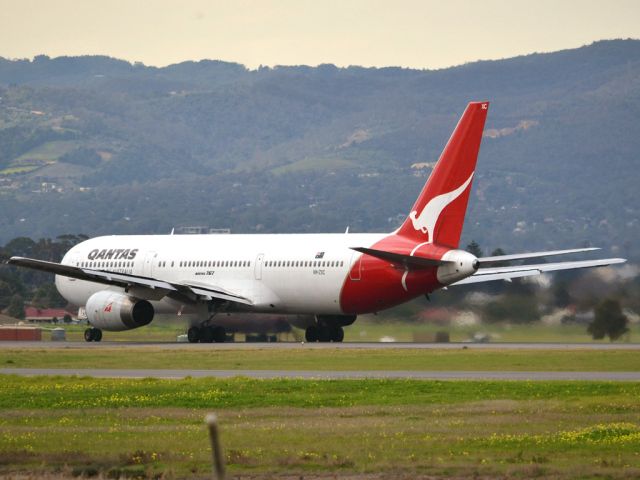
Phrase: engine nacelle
pixel 460 264
pixel 115 311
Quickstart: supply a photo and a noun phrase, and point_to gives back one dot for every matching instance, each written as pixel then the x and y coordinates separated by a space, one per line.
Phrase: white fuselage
pixel 280 273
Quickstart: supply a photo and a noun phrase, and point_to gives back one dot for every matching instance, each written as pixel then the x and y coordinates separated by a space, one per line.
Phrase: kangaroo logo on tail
pixel 430 214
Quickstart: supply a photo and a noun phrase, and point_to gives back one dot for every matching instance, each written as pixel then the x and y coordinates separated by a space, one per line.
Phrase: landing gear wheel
pixel 311 334
pixel 193 334
pixel 337 334
pixel 219 334
pixel 324 334
pixel 206 335
pixel 92 335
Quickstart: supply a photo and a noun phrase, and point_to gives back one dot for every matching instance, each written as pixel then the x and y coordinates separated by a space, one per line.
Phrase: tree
pixel 609 321
pixel 6 292
pixel 561 296
pixel 513 308
pixel 474 249
pixel 16 307
pixel 47 296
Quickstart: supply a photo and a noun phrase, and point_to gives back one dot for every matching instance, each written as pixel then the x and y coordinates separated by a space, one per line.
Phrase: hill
pixel 98 145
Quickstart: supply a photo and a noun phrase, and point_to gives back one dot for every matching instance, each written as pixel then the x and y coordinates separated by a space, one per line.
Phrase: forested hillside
pixel 98 145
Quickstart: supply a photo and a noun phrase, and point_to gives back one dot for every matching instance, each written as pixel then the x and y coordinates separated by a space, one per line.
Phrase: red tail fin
pixel 438 214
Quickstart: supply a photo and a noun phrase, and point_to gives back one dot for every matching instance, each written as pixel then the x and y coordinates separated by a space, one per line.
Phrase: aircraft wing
pixel 507 273
pixel 182 291
pixel 527 256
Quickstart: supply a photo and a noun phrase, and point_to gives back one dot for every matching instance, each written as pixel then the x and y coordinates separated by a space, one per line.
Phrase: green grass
pixel 22 169
pixel 371 329
pixel 88 392
pixel 368 329
pixel 47 152
pixel 305 358
pixel 398 428
pixel 309 164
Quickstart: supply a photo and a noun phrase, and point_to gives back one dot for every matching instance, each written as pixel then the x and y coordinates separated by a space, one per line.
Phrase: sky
pixel 408 33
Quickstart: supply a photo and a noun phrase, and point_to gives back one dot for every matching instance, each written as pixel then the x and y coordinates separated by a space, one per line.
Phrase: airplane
pixel 322 281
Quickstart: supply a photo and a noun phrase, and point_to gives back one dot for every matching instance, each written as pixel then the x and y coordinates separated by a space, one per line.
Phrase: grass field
pixel 402 429
pixel 322 359
pixel 368 329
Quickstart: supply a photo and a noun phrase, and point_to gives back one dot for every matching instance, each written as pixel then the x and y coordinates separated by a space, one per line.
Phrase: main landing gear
pixel 324 333
pixel 92 335
pixel 206 334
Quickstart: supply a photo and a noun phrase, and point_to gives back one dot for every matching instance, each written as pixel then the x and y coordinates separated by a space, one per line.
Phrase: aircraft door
pixel 356 266
pixel 149 260
pixel 258 266
pixel 74 259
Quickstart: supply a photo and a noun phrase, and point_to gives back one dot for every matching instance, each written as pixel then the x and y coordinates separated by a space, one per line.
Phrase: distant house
pixel 40 315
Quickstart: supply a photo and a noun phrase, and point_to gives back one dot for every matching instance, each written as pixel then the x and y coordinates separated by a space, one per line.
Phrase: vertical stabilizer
pixel 438 214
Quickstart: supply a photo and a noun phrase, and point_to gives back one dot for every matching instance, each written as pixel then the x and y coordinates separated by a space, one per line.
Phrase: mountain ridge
pixel 312 148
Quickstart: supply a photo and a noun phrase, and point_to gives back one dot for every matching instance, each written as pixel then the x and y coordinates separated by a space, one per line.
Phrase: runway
pixel 325 375
pixel 301 345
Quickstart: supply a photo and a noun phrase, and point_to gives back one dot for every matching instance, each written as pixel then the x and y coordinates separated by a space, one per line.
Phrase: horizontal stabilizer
pixel 507 273
pixel 526 256
pixel 401 259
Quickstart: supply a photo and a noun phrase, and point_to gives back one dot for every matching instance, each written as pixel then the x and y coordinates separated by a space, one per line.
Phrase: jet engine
pixel 116 311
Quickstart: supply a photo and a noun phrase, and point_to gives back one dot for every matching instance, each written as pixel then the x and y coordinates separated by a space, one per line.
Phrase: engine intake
pixel 115 311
